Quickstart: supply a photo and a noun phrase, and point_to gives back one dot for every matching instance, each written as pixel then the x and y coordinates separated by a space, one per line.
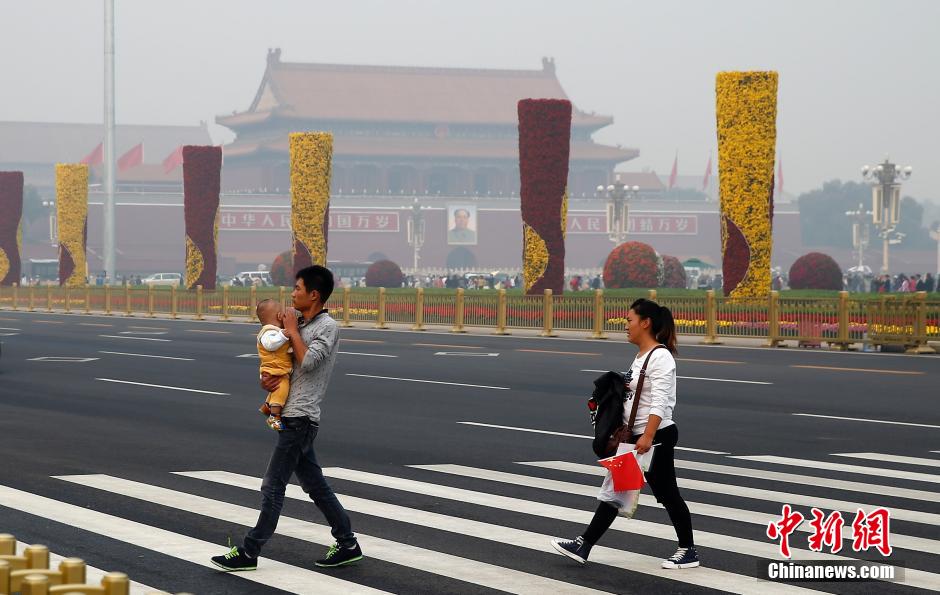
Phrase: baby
pixel 276 360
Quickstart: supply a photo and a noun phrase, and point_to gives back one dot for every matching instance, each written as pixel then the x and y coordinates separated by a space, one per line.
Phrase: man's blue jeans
pixel 294 454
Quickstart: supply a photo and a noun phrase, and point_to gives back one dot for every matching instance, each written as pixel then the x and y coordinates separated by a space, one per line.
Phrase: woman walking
pixel 651 328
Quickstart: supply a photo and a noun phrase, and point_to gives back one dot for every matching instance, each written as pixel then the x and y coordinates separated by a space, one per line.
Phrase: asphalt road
pixel 93 449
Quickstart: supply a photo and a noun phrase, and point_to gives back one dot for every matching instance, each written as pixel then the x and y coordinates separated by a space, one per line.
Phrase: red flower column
pixel 202 169
pixel 11 208
pixel 544 143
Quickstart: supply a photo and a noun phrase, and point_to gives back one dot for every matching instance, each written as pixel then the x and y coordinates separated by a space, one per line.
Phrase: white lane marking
pixel 534 431
pixel 93 324
pixel 842 467
pixel 248 355
pixel 700 378
pixel 143 332
pixel 521 538
pixel 189 390
pixel 57 358
pixel 183 359
pixel 914 516
pixel 150 328
pixel 365 354
pixel 429 381
pixel 134 338
pixel 6 328
pixel 874 421
pixel 193 330
pixel 93 575
pixel 718 541
pixel 9 334
pixel 466 354
pixel 48 322
pixel 709 510
pixel 440 563
pixel 878 456
pixel 181 547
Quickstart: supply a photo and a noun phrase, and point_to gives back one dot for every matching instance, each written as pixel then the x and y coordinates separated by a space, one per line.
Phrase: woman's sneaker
pixel 338 555
pixel 235 560
pixel 575 549
pixel 685 557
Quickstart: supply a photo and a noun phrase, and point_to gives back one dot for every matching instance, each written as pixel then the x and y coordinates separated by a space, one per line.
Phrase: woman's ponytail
pixel 662 327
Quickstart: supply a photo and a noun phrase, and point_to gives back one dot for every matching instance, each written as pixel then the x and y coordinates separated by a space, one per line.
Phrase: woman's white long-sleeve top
pixel 659 390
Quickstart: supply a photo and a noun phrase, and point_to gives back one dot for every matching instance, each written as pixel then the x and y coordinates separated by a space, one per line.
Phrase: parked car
pixel 249 278
pixel 163 279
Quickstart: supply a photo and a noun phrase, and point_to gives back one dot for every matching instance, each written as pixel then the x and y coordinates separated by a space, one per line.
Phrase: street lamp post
pixel 859 232
pixel 416 230
pixel 618 208
pixel 935 234
pixel 885 180
pixel 53 229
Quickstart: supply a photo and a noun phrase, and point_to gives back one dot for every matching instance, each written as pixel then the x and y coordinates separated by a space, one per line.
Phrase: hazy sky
pixel 858 78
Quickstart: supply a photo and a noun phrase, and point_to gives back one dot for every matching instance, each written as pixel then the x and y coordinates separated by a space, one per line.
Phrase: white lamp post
pixel 886 179
pixel 618 208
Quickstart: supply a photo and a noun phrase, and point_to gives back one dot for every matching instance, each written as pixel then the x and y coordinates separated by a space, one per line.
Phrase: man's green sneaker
pixel 338 555
pixel 235 560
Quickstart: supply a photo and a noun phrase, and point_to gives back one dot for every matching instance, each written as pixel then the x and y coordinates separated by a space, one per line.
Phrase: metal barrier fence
pixel 909 320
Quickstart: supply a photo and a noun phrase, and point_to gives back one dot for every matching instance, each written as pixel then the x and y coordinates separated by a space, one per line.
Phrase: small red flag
pixel 133 158
pixel 708 174
pixel 173 160
pixel 96 157
pixel 675 172
pixel 625 471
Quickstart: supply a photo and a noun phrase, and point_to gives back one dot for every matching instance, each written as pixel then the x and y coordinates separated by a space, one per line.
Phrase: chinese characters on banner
pixel 868 530
pixel 638 224
pixel 278 220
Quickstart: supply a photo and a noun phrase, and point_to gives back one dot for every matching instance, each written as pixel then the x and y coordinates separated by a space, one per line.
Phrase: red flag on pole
pixel 96 157
pixel 675 171
pixel 708 174
pixel 625 471
pixel 133 158
pixel 780 176
pixel 173 160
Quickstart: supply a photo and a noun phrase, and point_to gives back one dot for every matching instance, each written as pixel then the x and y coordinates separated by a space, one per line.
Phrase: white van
pixel 163 279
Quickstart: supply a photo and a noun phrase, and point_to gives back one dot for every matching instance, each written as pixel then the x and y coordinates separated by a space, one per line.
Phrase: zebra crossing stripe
pixel 440 563
pixel 271 573
pixel 707 577
pixel 886 458
pixel 710 510
pixel 901 514
pixel 718 541
pixel 92 575
pixel 836 484
pixel 860 469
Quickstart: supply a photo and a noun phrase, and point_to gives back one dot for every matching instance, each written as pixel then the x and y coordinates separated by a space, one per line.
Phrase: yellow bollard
pixel 380 317
pixel 49 298
pixel 32 298
pixel 35 584
pixel 652 295
pixel 419 310
pixel 107 300
pixel 71 571
pixel 199 302
pixel 548 314
pixel 346 302
pixel 127 299
pixel 599 315
pixel 920 325
pixel 842 338
pixel 501 313
pixel 253 303
pixel 116 583
pixel 773 319
pixel 7 544
pixel 711 319
pixel 225 302
pixel 458 313
pixel 149 300
pixel 173 302
pixel 16 291
pixel 5 578
pixel 87 299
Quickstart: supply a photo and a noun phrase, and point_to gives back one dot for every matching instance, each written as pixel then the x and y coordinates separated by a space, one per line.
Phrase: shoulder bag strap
pixel 639 391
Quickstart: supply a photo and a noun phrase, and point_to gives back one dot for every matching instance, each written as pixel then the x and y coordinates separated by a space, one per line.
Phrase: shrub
pixel 815 271
pixel 282 269
pixel 673 273
pixel 631 264
pixel 384 273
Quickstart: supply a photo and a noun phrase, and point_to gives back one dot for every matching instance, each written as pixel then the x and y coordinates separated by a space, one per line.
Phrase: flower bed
pixel 544 143
pixel 746 104
pixel 71 186
pixel 311 158
pixel 11 205
pixel 202 168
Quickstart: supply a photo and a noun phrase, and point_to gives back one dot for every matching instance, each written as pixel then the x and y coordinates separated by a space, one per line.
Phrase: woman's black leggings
pixel 662 480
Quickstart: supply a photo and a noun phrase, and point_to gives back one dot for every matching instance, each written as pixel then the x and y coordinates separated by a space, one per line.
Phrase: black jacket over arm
pixel 609 393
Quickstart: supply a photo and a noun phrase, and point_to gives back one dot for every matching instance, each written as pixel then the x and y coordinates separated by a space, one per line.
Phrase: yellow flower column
pixel 71 187
pixel 746 104
pixel 311 158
